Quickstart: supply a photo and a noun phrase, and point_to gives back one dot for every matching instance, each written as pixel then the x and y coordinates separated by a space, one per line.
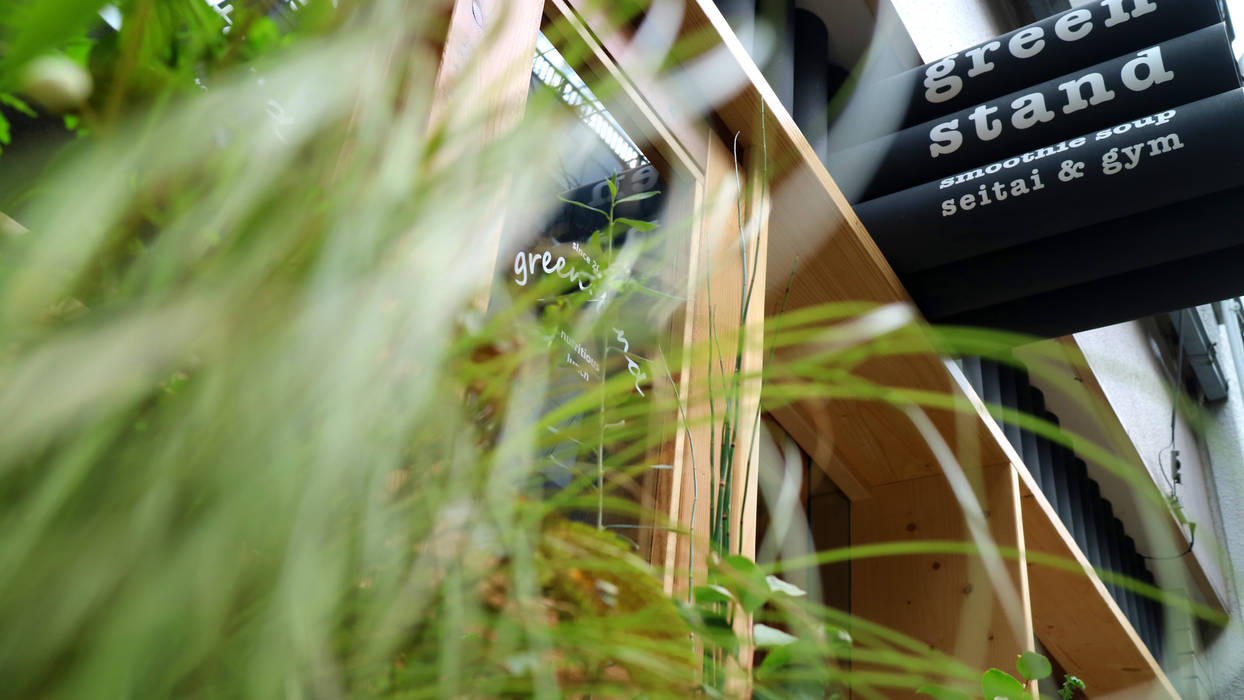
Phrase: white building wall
pixel 1224 657
pixel 942 27
pixel 1128 365
pixel 1126 362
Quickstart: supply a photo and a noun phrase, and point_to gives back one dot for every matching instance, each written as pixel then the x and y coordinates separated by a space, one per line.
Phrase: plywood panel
pixel 946 601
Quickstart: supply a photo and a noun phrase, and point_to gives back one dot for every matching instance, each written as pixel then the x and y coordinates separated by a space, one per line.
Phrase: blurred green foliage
pixel 258 439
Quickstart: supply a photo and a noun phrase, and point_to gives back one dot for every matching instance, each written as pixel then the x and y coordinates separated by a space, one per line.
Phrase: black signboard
pixel 1137 242
pixel 1084 170
pixel 1178 284
pixel 1030 55
pixel 1159 159
pixel 1172 73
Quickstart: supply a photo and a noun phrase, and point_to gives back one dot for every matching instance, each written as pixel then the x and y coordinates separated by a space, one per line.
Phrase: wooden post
pixel 485 66
pixel 479 97
pixel 720 285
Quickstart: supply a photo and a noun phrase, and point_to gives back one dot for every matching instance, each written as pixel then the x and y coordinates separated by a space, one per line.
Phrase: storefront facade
pixel 766 232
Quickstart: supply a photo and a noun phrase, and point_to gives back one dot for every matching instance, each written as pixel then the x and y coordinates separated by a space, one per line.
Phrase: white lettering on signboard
pixel 1069 170
pixel 942 83
pixel 1138 75
pixel 631 365
pixel 525 265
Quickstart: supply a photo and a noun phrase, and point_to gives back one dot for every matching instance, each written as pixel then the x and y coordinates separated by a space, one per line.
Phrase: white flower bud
pixel 56 83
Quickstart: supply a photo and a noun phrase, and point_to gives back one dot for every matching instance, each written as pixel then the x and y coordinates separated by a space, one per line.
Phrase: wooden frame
pixel 694 148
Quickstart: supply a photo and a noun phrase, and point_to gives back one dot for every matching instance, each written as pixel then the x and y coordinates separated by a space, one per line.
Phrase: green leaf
pixel 262 37
pixel 78 49
pixel 774 661
pixel 745 579
pixel 1000 684
pixel 766 636
pixel 941 692
pixel 17 103
pixel 636 224
pixel 777 585
pixel 713 593
pixel 1033 666
pixel 689 613
pixel 839 635
pixel 584 206
pixel 613 186
pixel 741 564
pixel 718 630
pixel 633 286
pixel 639 197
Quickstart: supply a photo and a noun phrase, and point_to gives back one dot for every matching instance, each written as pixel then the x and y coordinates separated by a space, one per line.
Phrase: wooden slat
pixel 715 283
pixel 1076 619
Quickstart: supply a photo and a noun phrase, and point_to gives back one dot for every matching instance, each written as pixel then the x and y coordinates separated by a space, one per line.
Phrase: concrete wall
pixel 1224 656
pixel 1128 364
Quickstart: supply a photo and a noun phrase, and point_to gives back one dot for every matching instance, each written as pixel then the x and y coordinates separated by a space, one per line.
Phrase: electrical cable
pixel 1181 555
pixel 1172 479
